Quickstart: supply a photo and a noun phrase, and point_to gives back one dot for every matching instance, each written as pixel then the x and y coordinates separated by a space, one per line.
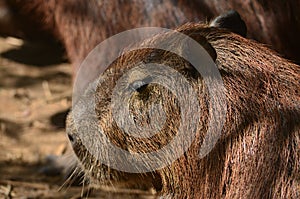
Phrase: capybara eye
pixel 138 85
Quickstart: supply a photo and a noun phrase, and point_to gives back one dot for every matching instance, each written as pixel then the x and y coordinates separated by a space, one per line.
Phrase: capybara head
pixel 148 99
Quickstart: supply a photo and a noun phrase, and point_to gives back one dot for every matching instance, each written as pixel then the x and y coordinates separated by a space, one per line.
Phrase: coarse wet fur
pixel 257 154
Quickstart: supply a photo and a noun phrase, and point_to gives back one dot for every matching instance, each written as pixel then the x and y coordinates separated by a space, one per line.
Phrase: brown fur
pixel 100 19
pixel 274 23
pixel 258 153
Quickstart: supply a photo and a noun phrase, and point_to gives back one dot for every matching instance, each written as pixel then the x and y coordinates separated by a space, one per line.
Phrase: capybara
pixel 80 25
pixel 257 154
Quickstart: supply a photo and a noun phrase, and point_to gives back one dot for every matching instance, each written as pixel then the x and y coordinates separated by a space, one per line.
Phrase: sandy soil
pixel 35 95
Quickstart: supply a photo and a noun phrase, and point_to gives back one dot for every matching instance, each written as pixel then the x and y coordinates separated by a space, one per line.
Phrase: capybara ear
pixel 205 44
pixel 232 21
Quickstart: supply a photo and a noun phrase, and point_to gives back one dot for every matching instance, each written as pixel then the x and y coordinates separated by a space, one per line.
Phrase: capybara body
pixel 80 25
pixel 257 154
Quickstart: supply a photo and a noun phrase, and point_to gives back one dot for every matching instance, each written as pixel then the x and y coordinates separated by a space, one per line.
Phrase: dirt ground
pixel 35 95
